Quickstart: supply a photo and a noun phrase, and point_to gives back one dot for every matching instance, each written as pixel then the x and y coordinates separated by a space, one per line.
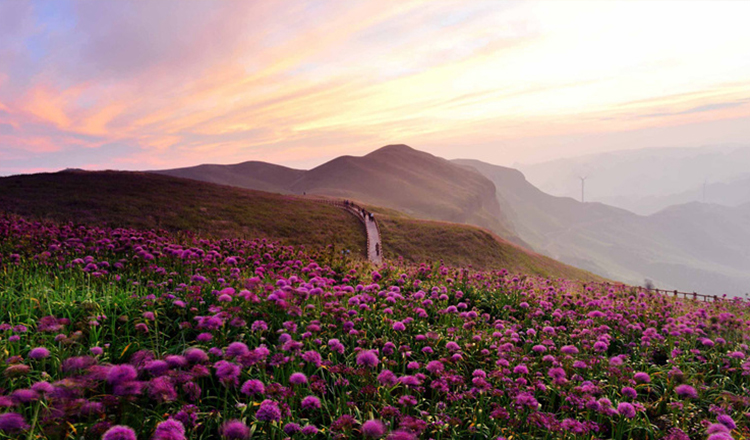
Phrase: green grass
pixel 463 245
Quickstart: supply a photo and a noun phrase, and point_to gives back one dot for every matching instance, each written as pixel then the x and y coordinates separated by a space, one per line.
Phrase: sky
pixel 162 84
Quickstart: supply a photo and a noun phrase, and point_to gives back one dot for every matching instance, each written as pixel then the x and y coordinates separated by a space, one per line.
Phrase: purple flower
pixel 227 372
pixel 204 337
pixel 253 386
pixel 373 429
pixel 521 369
pixel 24 395
pixel 717 428
pixel 629 392
pixel 310 403
pixel 11 422
pixel 291 428
pixel 236 349
pixel 259 326
pixel 452 346
pixel 387 378
pixel 435 367
pixel 121 373
pixel 119 432
pixel 720 436
pixel 402 434
pixel 196 355
pixel 399 326
pixel 96 351
pixel 297 379
pixel 310 430
pixel 569 349
pixel 43 387
pixel 557 373
pixel 367 358
pixel 642 377
pixel 686 391
pixel 157 367
pixel 169 430
pixel 268 411
pixel 312 357
pixel 176 361
pixel 626 409
pixel 38 353
pixel 726 421
pixel 161 389
pixel 235 430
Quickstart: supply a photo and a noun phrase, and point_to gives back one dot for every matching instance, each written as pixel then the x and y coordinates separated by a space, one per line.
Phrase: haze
pixel 145 85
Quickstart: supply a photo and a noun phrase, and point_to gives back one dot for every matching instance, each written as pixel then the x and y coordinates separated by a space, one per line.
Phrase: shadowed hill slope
pixel 411 181
pixel 149 201
pixel 146 200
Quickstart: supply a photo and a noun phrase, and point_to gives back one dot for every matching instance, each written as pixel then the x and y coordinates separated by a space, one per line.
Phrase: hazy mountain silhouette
pixel 735 192
pixel 697 246
pixel 395 176
pixel 645 180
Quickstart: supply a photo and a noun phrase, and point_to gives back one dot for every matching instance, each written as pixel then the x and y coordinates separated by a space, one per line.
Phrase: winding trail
pixel 374 244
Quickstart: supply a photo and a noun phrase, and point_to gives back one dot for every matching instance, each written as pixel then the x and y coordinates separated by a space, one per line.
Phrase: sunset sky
pixel 163 84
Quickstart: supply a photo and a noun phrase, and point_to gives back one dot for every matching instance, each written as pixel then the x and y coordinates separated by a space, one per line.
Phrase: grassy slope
pixel 464 245
pixel 144 200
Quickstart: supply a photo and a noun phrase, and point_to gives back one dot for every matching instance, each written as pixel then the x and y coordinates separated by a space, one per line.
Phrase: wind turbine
pixel 583 184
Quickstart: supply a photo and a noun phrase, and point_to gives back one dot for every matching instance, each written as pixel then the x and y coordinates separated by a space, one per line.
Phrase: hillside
pixel 461 245
pixel 145 201
pixel 699 247
pixel 395 176
pixel 148 200
pixel 256 175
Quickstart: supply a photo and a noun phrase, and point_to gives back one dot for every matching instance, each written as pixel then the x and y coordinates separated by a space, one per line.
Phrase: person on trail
pixel 377 249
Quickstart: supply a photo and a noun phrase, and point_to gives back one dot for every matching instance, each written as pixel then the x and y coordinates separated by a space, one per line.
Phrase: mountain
pixel 734 192
pixel 154 201
pixel 395 176
pixel 256 175
pixel 693 247
pixel 637 179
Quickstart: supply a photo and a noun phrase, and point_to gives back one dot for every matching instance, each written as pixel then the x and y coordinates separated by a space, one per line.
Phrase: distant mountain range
pixel 648 180
pixel 693 247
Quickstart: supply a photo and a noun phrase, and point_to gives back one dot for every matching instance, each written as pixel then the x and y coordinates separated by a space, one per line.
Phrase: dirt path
pixel 374 244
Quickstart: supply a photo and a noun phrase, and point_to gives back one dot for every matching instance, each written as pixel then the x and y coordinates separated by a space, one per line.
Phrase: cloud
pixel 180 82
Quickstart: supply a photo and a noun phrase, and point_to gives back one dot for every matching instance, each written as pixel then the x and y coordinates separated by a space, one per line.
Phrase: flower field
pixel 124 334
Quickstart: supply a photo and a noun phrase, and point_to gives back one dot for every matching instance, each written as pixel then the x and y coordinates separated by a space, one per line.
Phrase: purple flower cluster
pixel 228 337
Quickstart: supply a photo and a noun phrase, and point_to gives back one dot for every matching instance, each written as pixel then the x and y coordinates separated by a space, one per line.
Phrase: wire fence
pixel 695 296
